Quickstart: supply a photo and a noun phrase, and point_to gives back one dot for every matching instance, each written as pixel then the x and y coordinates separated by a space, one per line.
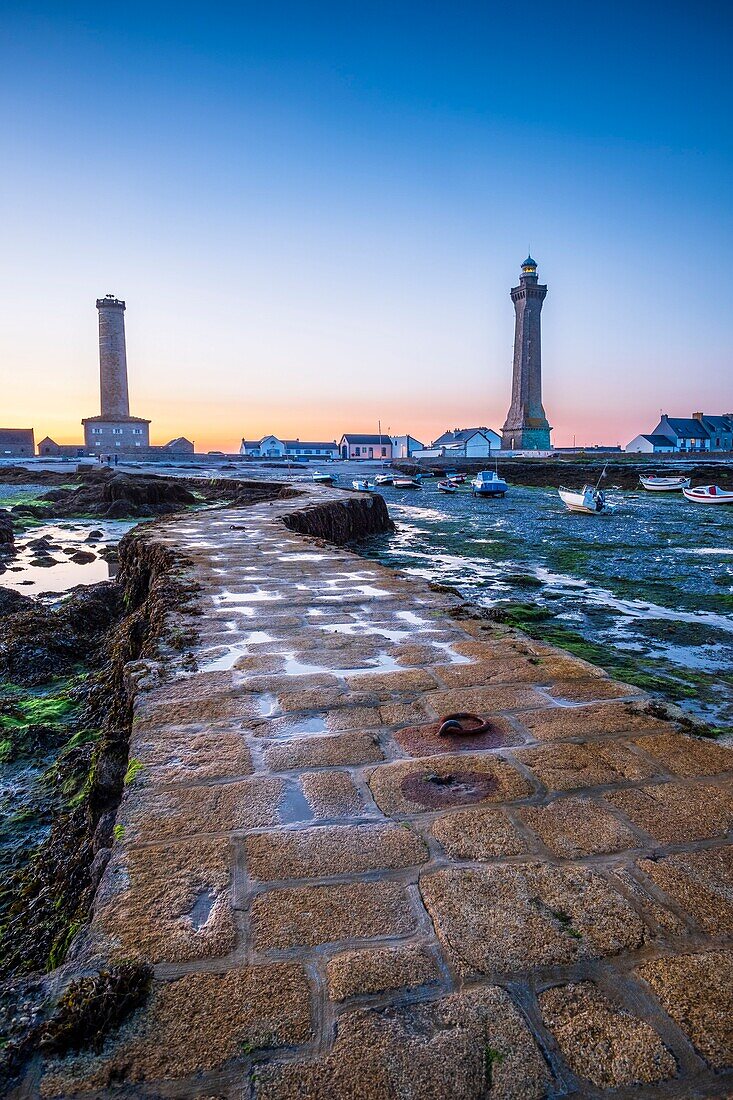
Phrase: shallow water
pixel 651 583
pixel 66 536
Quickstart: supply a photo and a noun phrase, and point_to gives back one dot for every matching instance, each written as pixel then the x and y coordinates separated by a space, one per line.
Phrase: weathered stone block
pixel 508 918
pixel 310 915
pixel 602 1042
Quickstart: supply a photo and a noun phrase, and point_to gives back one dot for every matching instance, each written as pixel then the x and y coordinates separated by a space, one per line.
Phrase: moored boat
pixel 447 487
pixel 590 500
pixel 406 483
pixel 708 494
pixel 664 484
pixel 384 479
pixel 488 484
pixel 361 486
pixel 324 479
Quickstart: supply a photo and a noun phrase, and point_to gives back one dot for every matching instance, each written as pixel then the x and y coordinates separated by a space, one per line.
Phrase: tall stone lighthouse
pixel 526 426
pixel 114 430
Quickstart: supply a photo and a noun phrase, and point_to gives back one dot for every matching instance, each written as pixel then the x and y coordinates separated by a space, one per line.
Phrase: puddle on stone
pixel 267 705
pixel 433 790
pixel 411 617
pixel 291 729
pixel 358 629
pixel 383 663
pixel 261 595
pixel 293 805
pixel 202 907
pixel 454 658
pixel 302 557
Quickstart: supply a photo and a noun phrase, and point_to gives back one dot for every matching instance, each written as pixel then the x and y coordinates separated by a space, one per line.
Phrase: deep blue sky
pixel 315 212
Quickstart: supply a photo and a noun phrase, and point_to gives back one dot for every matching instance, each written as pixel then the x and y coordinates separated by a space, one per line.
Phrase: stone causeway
pixel 339 903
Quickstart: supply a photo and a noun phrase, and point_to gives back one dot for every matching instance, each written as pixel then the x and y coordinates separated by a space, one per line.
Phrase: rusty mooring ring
pixel 452 725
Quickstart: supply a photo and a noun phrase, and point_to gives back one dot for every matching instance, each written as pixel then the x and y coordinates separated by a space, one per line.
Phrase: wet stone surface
pixel 339 903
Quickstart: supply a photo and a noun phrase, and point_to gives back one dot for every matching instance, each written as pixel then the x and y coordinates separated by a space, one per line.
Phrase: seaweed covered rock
pixel 343 520
pixel 12 601
pixel 39 641
pixel 7 534
pixel 119 496
pixel 94 1005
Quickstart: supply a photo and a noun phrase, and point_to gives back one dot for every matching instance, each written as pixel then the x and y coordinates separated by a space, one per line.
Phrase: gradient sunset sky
pixel 315 211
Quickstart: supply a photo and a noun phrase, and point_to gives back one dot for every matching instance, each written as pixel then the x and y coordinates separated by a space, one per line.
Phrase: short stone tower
pixel 115 399
pixel 114 430
pixel 526 426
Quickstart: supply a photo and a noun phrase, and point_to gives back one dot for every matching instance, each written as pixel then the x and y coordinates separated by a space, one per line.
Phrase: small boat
pixel 324 479
pixel 488 484
pixel 406 483
pixel 361 486
pixel 447 487
pixel 590 499
pixel 384 479
pixel 664 484
pixel 709 494
pixel 457 479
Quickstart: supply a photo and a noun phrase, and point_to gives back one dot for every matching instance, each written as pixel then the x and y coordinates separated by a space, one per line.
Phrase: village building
pixel 271 446
pixel 49 448
pixel 362 448
pixel 463 443
pixel 17 442
pixel 405 446
pixel 679 434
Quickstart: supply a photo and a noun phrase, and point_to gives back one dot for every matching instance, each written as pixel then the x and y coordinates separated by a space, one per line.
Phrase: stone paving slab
pixel 341 904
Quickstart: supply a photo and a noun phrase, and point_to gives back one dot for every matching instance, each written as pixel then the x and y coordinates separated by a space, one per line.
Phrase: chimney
pixel 697 416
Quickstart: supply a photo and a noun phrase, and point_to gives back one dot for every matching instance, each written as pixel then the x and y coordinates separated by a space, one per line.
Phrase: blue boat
pixel 488 484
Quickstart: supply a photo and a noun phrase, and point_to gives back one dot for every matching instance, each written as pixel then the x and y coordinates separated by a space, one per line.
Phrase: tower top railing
pixel 110 302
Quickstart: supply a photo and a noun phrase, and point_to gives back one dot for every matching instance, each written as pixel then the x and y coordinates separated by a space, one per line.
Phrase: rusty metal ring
pixel 452 725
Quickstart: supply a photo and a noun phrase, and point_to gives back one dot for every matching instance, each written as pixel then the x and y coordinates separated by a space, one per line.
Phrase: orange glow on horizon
pixel 220 427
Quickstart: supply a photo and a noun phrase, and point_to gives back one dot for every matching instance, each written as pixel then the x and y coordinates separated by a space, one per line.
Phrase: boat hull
pixel 664 485
pixel 706 497
pixel 578 502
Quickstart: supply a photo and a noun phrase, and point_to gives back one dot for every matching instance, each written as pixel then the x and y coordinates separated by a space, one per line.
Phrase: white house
pixel 467 443
pixel 404 446
pixel 271 446
pixel 698 432
pixel 651 445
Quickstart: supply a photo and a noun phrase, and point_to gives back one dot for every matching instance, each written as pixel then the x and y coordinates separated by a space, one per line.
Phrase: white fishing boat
pixel 590 499
pixel 447 487
pixel 488 484
pixel 709 494
pixel 384 479
pixel 361 486
pixel 406 483
pixel 324 479
pixel 664 484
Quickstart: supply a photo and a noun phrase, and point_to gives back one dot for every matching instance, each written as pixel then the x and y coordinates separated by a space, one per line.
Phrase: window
pixel 137 444
pixel 357 450
pixel 137 431
pixel 96 431
pixel 384 452
pixel 117 431
pixel 117 443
